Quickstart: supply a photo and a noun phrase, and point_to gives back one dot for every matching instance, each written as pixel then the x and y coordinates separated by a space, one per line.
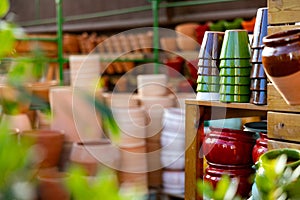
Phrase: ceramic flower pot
pixel 48 146
pixel 235 146
pixel 214 172
pixel 281 57
pixel 260 147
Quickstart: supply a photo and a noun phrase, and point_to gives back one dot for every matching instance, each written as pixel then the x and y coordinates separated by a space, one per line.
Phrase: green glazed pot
pixel 293 156
pixel 235 80
pixel 235 44
pixel 208 87
pixel 235 63
pixel 232 98
pixel 235 89
pixel 208 79
pixel 208 62
pixel 237 71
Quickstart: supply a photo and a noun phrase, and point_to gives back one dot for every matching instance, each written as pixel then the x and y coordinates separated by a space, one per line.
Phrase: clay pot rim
pixel 43 132
pixel 232 134
pixel 282 37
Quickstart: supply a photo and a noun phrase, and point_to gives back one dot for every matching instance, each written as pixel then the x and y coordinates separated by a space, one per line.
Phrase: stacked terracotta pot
pixel 131 120
pixel 258 76
pixel 229 152
pixel 154 97
pixel 208 72
pixel 172 152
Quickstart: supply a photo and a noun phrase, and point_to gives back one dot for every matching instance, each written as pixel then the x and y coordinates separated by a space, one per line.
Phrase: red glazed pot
pixel 228 146
pixel 260 147
pixel 214 172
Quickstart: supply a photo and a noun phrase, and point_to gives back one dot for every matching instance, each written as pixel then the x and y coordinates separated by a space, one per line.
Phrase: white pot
pixel 152 84
pixel 121 100
pixel 174 120
pixel 173 141
pixel 173 178
pixel 172 160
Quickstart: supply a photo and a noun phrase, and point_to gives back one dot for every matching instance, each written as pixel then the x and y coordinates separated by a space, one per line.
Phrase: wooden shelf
pixel 196 113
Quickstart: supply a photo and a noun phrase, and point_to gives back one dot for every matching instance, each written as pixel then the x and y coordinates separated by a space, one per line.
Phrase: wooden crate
pixel 277 103
pixel 274 144
pixel 284 126
pixel 283 14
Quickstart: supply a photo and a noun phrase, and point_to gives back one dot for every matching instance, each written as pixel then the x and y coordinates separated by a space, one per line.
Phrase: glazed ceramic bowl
pixel 259 84
pixel 208 96
pixel 235 146
pixel 293 157
pixel 259 97
pixel 235 63
pixel 208 62
pixel 207 87
pixel 258 71
pixel 214 172
pixel 260 147
pixel 256 55
pixel 235 44
pixel 234 80
pixel 236 71
pixel 260 28
pixel 208 71
pixel 211 45
pixel 234 89
pixel 234 98
pixel 208 79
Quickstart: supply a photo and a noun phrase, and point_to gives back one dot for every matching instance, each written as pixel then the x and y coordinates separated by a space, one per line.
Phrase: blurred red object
pixel 175 66
pixel 249 25
pixel 193 68
pixel 200 30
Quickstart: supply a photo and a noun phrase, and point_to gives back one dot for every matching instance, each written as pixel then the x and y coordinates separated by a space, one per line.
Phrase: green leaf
pixel 4 7
pixel 7 39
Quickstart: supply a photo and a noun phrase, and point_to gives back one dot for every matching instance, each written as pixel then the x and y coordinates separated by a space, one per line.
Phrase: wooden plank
pixel 192 152
pixel 275 29
pixel 283 11
pixel 226 105
pixel 277 103
pixel 284 126
pixel 274 144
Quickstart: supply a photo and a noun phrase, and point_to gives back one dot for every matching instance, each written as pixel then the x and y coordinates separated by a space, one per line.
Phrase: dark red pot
pixel 260 147
pixel 214 172
pixel 229 147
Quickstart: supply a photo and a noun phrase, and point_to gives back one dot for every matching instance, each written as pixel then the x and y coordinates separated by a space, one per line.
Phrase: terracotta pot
pixel 235 146
pixel 94 155
pixel 49 145
pixel 71 43
pixel 260 147
pixel 20 122
pixel 281 57
pixel 214 172
pixel 52 185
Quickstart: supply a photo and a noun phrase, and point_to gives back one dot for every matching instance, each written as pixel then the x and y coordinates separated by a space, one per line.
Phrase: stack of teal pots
pixel 235 67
